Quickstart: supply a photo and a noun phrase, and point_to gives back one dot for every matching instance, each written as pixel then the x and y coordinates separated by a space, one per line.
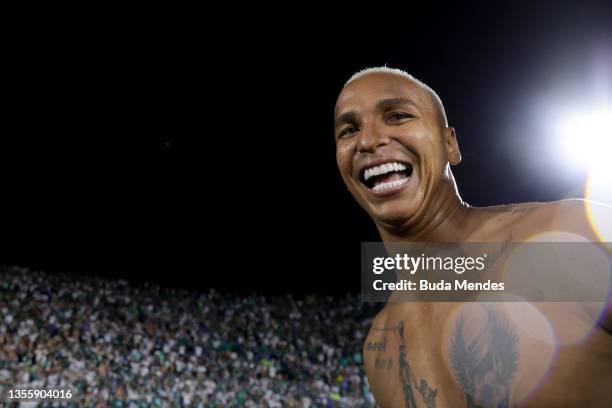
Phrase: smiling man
pixel 394 150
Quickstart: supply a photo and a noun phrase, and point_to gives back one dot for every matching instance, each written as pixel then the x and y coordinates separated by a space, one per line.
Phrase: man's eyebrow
pixel 346 117
pixel 383 104
pixel 392 102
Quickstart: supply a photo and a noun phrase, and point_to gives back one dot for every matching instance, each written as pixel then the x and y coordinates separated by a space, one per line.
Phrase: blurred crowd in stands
pixel 116 344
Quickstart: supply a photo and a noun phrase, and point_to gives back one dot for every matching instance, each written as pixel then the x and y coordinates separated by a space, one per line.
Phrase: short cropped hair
pixel 387 70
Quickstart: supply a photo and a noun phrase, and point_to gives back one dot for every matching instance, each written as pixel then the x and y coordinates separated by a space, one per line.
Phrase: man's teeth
pixel 383 169
pixel 390 184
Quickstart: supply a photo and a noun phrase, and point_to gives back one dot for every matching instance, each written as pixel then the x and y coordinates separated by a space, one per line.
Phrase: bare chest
pixel 485 355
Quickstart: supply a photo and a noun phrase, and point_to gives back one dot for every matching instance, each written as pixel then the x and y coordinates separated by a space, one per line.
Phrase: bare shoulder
pixel 575 216
pixel 514 221
pixel 515 212
pixel 578 220
pixel 579 216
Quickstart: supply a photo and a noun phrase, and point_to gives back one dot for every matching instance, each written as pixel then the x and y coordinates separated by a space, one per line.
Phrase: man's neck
pixel 445 221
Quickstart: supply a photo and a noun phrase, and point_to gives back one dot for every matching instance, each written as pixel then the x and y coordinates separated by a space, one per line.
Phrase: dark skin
pixel 442 354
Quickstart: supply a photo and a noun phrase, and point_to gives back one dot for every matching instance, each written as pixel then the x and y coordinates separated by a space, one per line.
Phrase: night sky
pixel 202 157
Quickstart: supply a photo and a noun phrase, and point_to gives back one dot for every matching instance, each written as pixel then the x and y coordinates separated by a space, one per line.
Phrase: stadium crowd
pixel 117 344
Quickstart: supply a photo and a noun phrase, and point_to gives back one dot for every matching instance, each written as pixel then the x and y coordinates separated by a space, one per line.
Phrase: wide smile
pixel 387 178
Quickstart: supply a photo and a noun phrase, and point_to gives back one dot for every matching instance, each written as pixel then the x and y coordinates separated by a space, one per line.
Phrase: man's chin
pixel 391 214
pixel 393 210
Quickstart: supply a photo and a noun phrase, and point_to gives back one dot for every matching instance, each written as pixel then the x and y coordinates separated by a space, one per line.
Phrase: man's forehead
pixel 368 89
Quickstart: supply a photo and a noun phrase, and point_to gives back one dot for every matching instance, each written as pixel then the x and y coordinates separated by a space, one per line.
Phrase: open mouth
pixel 386 176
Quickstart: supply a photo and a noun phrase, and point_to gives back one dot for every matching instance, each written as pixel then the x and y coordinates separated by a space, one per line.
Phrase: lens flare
pixel 538 338
pixel 598 192
pixel 590 272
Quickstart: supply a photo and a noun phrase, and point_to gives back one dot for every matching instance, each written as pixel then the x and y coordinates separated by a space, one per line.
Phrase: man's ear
pixel 453 155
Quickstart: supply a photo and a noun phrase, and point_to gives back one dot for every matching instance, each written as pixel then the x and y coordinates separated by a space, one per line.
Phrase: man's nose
pixel 371 138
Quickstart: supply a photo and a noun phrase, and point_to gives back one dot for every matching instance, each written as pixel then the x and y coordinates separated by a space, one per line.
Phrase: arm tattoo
pixel 485 367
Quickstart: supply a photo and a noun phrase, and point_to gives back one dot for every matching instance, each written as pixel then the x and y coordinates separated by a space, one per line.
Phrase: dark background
pixel 169 150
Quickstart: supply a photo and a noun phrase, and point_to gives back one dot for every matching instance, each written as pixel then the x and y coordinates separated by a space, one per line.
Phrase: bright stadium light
pixel 587 139
pixel 587 142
